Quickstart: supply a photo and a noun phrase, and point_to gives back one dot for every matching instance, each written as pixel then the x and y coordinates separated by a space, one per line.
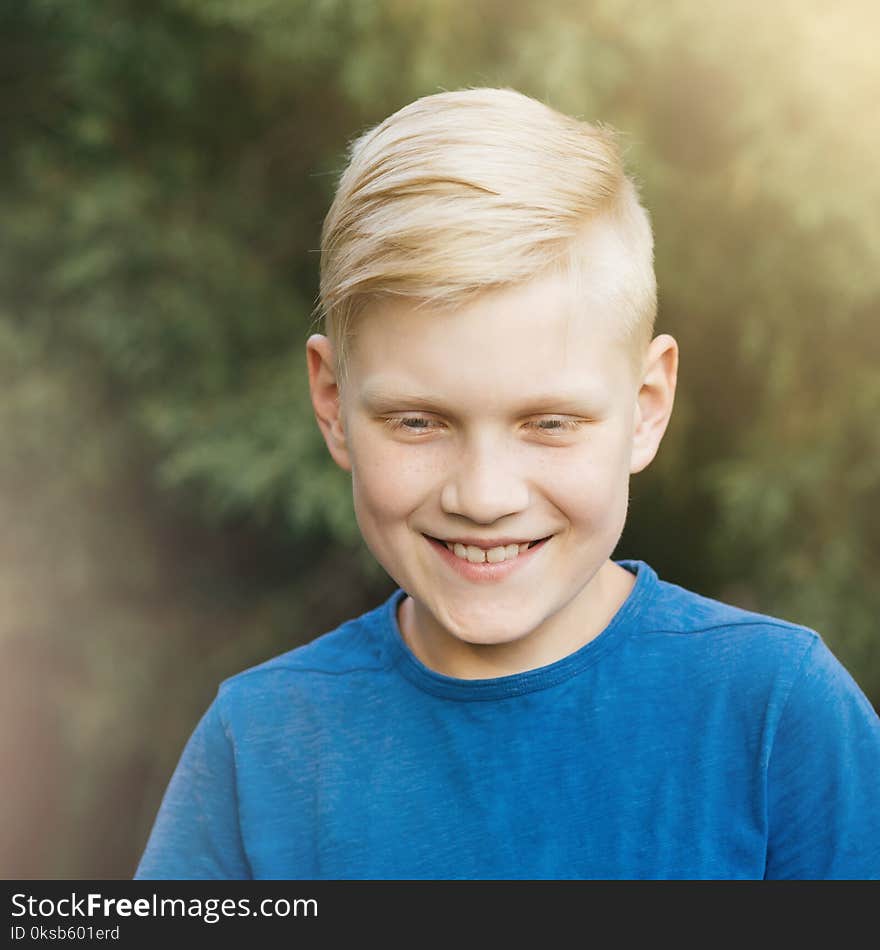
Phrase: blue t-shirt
pixel 690 739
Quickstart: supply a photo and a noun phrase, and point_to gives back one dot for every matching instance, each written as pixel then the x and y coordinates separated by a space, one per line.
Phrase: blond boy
pixel 523 705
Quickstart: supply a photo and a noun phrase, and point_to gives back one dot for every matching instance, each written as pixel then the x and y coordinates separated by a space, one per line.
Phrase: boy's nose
pixel 484 487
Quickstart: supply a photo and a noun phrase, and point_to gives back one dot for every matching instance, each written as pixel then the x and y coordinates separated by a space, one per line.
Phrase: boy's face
pixel 510 421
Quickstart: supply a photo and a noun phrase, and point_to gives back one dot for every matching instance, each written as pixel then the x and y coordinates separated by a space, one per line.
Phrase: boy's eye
pixel 557 425
pixel 561 426
pixel 410 423
pixel 423 424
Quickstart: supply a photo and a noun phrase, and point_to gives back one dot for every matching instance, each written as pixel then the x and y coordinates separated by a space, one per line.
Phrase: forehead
pixel 565 321
pixel 538 338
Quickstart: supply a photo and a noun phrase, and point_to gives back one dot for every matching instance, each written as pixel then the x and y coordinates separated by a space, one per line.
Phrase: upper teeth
pixel 477 555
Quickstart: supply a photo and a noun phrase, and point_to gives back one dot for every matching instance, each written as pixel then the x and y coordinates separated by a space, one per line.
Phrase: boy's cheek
pixel 382 495
pixel 385 467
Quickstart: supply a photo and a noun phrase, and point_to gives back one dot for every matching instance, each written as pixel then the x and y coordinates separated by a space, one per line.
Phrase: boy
pixel 522 706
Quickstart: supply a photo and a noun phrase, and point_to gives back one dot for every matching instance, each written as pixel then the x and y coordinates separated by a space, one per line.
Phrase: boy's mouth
pixel 488 552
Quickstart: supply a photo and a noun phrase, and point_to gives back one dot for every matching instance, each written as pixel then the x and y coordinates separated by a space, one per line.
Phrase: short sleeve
pixel 823 793
pixel 196 834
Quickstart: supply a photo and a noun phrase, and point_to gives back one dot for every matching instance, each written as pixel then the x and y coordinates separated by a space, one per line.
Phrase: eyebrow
pixel 382 400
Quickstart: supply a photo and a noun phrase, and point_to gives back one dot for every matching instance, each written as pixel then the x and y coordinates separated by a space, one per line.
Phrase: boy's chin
pixel 487 634
pixel 484 639
pixel 496 619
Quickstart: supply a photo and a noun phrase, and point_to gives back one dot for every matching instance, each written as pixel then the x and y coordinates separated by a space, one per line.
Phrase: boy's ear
pixel 325 394
pixel 654 402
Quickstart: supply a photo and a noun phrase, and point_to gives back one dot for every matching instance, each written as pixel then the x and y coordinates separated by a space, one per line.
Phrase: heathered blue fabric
pixel 690 739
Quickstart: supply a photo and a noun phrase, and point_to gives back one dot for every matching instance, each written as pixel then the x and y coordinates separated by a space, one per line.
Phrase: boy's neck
pixel 579 622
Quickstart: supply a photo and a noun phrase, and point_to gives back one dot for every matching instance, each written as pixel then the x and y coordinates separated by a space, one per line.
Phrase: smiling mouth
pixel 492 555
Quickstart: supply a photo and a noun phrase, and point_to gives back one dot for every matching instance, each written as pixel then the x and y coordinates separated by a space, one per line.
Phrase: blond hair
pixel 473 190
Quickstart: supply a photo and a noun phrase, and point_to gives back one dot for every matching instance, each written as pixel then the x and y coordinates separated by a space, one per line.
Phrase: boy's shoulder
pixel 725 652
pixel 677 609
pixel 682 610
pixel 358 645
pixel 725 647
pixel 687 620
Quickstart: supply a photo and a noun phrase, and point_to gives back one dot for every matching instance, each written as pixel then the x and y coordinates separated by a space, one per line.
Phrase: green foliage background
pixel 168 513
